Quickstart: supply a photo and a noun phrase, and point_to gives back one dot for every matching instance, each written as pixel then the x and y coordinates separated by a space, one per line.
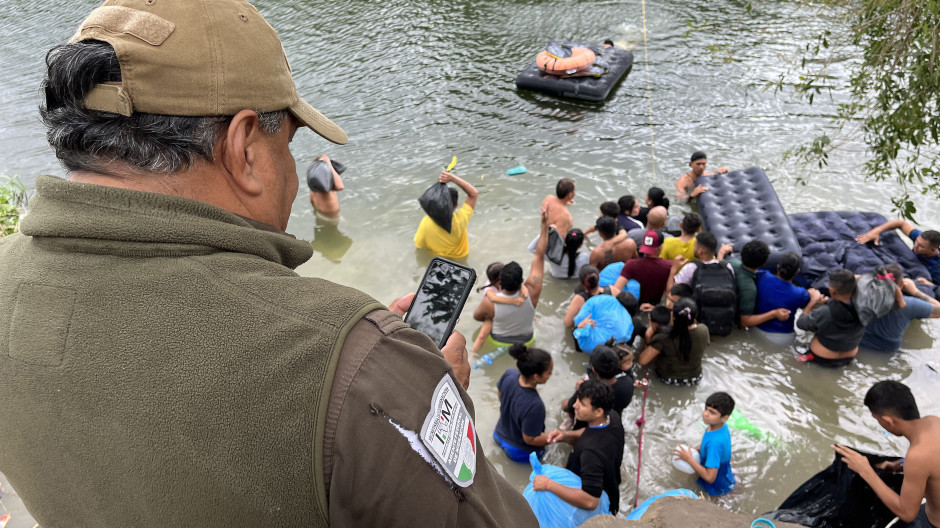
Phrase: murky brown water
pixel 417 82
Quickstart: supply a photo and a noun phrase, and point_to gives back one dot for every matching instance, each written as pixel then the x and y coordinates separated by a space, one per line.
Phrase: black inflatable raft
pixel 617 61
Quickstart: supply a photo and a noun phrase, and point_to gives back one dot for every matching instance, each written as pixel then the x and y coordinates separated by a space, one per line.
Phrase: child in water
pixel 714 471
pixel 490 289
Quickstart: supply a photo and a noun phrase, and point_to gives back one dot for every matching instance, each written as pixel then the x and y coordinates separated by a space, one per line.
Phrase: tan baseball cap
pixel 196 58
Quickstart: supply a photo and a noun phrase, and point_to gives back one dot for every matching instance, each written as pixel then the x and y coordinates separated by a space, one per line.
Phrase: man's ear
pixel 239 152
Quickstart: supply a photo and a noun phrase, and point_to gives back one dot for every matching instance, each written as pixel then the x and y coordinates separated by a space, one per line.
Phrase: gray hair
pixel 89 139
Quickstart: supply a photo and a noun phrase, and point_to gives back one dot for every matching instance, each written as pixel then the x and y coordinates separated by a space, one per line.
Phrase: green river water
pixel 414 83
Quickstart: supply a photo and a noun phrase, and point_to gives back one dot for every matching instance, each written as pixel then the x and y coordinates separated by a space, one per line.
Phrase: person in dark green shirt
pixel 754 255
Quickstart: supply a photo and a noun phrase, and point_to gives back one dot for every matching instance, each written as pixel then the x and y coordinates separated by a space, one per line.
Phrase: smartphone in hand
pixel 440 299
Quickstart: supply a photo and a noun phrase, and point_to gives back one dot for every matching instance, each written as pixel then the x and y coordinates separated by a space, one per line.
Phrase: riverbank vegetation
pixel 893 91
pixel 12 204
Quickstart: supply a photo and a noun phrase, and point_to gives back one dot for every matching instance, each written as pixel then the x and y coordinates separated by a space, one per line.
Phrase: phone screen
pixel 440 299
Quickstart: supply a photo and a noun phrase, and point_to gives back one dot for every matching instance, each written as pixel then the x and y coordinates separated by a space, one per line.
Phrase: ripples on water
pixel 414 83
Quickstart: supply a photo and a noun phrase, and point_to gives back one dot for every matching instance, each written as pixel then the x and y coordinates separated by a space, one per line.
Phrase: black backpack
pixel 715 294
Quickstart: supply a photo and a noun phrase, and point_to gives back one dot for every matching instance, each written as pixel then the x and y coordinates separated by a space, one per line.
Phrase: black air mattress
pixel 827 239
pixel 741 206
pixel 617 60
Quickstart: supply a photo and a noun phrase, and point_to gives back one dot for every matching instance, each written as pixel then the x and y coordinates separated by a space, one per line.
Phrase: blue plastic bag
pixel 637 513
pixel 550 509
pixel 610 274
pixel 611 320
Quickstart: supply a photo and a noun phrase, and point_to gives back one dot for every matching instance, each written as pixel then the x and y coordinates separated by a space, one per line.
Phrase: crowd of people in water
pixel 676 286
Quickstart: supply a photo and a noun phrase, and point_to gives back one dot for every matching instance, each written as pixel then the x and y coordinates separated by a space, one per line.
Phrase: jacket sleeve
pixel 381 474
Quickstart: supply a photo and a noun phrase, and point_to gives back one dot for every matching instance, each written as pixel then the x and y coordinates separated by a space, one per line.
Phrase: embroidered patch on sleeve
pixel 449 433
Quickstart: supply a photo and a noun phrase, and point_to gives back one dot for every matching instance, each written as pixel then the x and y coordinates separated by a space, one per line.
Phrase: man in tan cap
pixel 162 363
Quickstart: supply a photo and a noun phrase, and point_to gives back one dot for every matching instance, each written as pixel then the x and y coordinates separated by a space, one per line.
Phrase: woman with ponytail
pixel 521 426
pixel 588 287
pixel 654 197
pixel 571 260
pixel 677 350
pixel 778 291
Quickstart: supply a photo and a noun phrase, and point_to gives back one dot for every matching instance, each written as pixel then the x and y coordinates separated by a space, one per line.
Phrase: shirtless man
pixel 893 405
pixel 686 189
pixel 557 206
pixel 326 203
pixel 614 247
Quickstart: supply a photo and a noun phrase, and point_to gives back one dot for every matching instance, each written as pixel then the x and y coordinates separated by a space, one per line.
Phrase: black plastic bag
pixel 556 246
pixel 837 497
pixel 437 204
pixel 320 177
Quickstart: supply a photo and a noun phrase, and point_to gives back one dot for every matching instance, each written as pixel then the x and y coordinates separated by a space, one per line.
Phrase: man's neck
pixel 603 420
pixel 713 428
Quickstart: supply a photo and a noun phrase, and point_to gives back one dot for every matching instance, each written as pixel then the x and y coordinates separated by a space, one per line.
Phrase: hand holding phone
pixel 440 299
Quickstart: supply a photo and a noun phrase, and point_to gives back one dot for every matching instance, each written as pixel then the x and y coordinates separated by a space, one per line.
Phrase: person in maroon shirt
pixel 649 270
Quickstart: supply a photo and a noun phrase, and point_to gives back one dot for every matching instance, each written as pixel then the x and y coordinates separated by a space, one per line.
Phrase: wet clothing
pixel 511 323
pixel 931 263
pixel 437 240
pixel 885 333
pixel 746 282
pixel 920 521
pixel 521 411
pixel 684 275
pixel 808 357
pixel 669 362
pixel 597 457
pixel 584 294
pixel 164 352
pixel 774 292
pixel 716 453
pixel 673 247
pixel 560 271
pixel 628 222
pixel 623 395
pixel 836 325
pixel 652 273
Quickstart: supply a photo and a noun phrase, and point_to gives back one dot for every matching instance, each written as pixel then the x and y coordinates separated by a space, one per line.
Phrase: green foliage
pixel 12 204
pixel 894 94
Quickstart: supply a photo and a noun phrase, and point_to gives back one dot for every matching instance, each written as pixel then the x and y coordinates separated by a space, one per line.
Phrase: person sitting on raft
pixel 572 260
pixel 607 367
pixel 778 291
pixel 677 350
pixel 511 323
pixel 614 246
pixel 452 245
pixel 629 208
pixel 521 426
pixel 588 287
pixel 686 187
pixel 884 334
pixel 835 322
pixel 326 203
pixel 926 246
pixel 597 454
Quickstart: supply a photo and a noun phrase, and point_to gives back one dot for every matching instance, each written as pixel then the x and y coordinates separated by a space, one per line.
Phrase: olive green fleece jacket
pixel 162 365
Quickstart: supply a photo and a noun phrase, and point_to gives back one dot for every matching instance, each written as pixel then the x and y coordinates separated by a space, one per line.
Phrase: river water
pixel 414 83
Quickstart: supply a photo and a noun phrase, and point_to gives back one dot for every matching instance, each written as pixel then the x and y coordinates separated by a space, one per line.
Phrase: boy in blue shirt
pixel 714 471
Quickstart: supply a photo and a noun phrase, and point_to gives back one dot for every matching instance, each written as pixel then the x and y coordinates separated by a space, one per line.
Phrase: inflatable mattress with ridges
pixel 619 62
pixel 741 206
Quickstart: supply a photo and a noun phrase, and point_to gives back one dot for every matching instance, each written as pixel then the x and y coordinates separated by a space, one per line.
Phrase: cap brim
pixel 319 123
